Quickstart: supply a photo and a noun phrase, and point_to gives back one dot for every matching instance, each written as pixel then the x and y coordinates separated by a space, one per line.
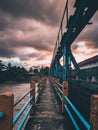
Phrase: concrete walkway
pixel 48 115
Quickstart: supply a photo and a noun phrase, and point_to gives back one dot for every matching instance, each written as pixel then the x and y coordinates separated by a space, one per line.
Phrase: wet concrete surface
pixel 48 115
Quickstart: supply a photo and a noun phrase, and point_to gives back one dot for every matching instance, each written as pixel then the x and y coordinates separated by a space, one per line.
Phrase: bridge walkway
pixel 48 115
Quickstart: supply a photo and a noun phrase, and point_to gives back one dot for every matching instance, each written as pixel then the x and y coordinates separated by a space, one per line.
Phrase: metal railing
pixel 77 113
pixel 17 117
pixel 18 101
pixel 1 115
pixel 70 108
pixel 59 90
pixel 7 108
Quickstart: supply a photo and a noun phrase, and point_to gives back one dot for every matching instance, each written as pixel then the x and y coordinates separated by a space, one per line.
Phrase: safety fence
pixel 79 122
pixel 7 105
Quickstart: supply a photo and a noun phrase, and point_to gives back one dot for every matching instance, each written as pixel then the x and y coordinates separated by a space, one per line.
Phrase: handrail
pixel 1 115
pixel 72 118
pixel 7 100
pixel 58 84
pixel 16 118
pixel 60 96
pixel 82 119
pixel 63 96
pixel 17 102
pixel 59 91
pixel 25 118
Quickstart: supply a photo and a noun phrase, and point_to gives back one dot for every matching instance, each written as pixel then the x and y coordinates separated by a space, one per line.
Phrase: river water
pixel 18 90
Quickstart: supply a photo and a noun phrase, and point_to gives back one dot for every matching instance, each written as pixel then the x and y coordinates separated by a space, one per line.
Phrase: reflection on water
pixel 18 90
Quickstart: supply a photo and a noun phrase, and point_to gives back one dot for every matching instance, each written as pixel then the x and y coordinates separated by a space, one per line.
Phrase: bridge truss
pixel 84 10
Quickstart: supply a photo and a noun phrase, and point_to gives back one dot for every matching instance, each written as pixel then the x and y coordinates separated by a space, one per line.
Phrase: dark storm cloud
pixel 2 25
pixel 38 45
pixel 41 10
pixel 34 24
pixel 28 56
pixel 10 44
pixel 74 46
pixel 90 36
pixel 9 22
pixel 7 52
pixel 3 20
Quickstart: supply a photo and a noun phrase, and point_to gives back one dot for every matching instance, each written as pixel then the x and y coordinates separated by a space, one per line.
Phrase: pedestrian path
pixel 48 115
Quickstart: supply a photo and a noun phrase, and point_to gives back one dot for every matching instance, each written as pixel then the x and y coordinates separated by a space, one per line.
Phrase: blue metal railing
pixel 25 118
pixel 17 102
pixel 71 117
pixel 77 113
pixel 16 118
pixel 26 108
pixel 59 86
pixel 1 115
pixel 82 119
pixel 60 97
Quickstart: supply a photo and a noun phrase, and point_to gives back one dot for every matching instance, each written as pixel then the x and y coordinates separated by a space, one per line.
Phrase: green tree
pixel 44 71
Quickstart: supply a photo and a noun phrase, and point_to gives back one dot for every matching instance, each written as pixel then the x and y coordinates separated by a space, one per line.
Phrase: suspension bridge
pixel 61 101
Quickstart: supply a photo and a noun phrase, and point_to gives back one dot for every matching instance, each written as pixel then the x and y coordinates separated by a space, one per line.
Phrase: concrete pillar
pixel 32 93
pixel 64 93
pixel 94 112
pixel 6 106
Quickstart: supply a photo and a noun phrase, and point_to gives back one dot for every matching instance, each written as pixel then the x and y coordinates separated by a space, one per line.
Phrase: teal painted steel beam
pixel 66 62
pixel 73 60
pixel 64 65
pixel 73 29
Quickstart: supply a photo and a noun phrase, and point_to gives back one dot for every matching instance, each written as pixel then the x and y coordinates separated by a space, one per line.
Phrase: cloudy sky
pixel 28 31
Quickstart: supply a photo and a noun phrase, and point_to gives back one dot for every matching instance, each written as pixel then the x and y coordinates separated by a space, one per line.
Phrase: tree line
pixel 20 74
pixel 13 73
